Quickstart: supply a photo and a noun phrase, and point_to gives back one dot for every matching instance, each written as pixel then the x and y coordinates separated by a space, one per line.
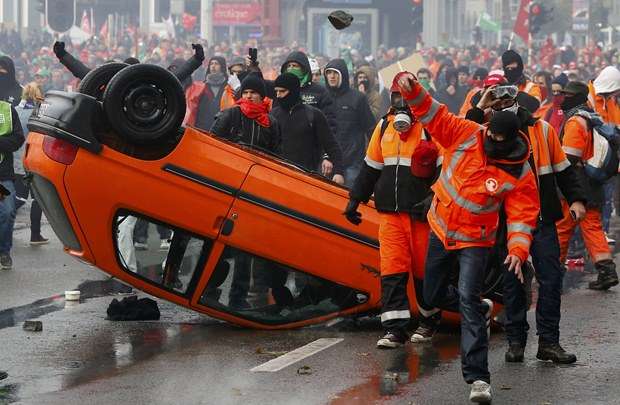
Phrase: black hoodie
pixel 313 94
pixel 10 90
pixel 353 115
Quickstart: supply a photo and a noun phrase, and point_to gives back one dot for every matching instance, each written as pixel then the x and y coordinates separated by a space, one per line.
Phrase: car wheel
pixel 144 103
pixel 95 82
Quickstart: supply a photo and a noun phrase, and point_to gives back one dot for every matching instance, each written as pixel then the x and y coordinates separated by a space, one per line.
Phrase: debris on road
pixel 260 350
pixel 304 370
pixel 133 309
pixel 33 326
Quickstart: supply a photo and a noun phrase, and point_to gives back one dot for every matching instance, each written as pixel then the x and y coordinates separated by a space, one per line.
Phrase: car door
pixel 288 255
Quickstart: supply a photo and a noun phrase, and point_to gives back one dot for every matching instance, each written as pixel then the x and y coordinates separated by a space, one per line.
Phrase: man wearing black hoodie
pixel 304 130
pixel 10 90
pixel 355 119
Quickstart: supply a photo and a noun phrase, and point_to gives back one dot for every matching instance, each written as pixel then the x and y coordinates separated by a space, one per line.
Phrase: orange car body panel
pixel 257 189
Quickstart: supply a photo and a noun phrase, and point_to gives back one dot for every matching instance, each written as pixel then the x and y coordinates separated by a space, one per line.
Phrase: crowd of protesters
pixel 336 116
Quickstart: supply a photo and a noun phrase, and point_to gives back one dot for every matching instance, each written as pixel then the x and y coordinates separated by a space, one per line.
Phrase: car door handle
pixel 227 226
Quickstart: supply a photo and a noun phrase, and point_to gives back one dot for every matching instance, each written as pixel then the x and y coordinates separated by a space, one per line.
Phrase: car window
pixel 162 254
pixel 264 291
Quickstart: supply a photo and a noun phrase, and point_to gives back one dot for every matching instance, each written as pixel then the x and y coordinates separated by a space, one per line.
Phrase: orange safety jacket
pixel 471 187
pixel 532 89
pixel 193 95
pixel 607 108
pixel 387 170
pixel 467 103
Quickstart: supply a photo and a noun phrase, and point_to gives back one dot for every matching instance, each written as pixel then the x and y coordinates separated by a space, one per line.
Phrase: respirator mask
pixel 402 114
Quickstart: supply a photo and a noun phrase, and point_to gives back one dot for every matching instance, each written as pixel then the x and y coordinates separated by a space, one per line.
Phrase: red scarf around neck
pixel 256 112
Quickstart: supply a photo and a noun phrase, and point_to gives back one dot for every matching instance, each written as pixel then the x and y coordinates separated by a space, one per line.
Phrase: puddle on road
pixel 89 289
pixel 393 370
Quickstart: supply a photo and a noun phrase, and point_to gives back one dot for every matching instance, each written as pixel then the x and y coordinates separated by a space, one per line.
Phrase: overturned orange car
pixel 233 232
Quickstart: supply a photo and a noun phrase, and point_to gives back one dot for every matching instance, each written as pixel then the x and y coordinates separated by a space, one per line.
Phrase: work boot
pixel 515 352
pixel 607 276
pixel 555 353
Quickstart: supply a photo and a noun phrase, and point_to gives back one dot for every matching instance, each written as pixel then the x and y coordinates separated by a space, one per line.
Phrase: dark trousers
pixel 23 191
pixel 141 231
pixel 545 251
pixel 466 300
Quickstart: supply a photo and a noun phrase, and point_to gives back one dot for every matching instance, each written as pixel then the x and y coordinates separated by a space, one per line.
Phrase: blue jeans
pixel 7 218
pixel 545 251
pixel 607 208
pixel 466 300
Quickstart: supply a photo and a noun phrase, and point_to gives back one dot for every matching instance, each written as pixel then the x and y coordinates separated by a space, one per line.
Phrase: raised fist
pixel 59 49
pixel 198 51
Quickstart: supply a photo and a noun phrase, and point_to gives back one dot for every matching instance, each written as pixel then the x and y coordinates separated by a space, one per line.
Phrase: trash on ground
pixel 33 326
pixel 133 309
pixel 304 370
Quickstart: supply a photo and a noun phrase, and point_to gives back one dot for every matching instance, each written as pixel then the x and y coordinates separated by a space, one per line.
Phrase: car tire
pixel 144 103
pixel 96 81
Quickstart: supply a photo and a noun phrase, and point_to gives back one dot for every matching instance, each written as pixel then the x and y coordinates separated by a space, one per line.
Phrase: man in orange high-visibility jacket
pixel 554 172
pixel 578 144
pixel 402 199
pixel 483 168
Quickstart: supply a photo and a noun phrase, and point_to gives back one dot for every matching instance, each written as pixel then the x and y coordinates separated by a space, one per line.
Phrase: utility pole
pixel 206 20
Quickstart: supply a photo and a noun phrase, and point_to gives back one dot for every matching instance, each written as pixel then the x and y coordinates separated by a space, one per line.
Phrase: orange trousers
pixel 591 229
pixel 403 244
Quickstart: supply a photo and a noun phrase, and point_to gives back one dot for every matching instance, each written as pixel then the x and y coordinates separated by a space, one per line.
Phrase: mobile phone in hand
pixel 253 53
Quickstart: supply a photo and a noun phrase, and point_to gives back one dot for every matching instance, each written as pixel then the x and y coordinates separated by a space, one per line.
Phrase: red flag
pixel 85 25
pixel 104 30
pixel 522 28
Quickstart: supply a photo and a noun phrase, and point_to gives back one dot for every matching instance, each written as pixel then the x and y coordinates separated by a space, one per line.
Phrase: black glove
pixel 420 210
pixel 353 216
pixel 59 49
pixel 199 52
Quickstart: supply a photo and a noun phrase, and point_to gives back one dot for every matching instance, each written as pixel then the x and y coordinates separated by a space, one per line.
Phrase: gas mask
pixel 402 113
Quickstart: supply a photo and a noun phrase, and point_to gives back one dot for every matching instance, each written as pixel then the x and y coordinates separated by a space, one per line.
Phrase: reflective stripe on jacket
pixel 387 171
pixel 471 188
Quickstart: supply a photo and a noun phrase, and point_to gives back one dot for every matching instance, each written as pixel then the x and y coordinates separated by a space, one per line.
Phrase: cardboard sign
pixel 410 64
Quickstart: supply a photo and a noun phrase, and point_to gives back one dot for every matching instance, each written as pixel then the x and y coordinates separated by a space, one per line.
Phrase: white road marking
pixel 296 355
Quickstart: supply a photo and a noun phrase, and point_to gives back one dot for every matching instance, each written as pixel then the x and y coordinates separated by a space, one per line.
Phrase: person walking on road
pixel 484 167
pixel 401 164
pixel 577 142
pixel 11 138
pixel 553 171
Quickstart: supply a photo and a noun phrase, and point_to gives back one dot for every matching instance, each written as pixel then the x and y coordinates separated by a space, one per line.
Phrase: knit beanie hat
pixel 254 82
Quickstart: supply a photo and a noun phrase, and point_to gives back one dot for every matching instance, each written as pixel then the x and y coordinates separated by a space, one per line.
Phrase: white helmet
pixel 607 81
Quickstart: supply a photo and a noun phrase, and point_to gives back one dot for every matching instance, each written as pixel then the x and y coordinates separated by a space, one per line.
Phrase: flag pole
pixel 512 36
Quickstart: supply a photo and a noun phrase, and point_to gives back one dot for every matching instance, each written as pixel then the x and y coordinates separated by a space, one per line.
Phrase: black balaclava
pixel 290 82
pixel 512 75
pixel 507 124
pixel 575 101
pixel 7 80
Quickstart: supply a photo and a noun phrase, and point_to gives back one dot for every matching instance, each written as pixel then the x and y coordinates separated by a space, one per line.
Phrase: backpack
pixel 604 162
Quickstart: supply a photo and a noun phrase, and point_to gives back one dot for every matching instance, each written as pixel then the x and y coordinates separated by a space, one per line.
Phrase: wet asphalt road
pixel 188 358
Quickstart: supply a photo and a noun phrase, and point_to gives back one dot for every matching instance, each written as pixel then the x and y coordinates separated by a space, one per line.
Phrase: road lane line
pixel 296 355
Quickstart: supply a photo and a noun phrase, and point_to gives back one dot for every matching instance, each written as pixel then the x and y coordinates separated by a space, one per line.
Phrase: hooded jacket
pixel 203 103
pixel 375 101
pixel 305 136
pixel 233 125
pixel 551 165
pixel 355 119
pixel 10 90
pixel 313 94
